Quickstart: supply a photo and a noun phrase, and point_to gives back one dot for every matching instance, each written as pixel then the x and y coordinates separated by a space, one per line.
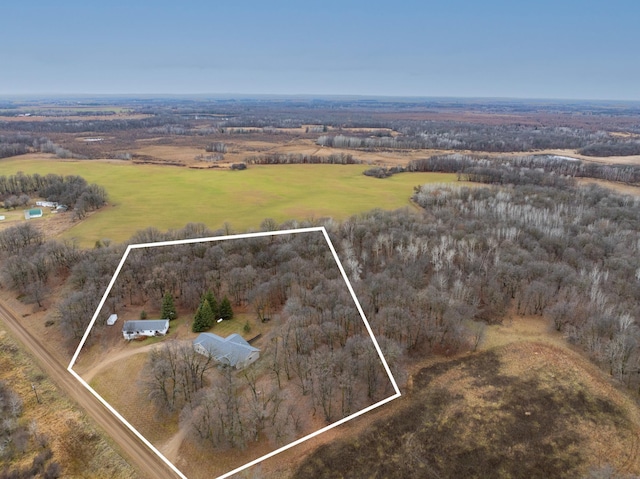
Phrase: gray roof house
pixel 232 350
pixel 146 327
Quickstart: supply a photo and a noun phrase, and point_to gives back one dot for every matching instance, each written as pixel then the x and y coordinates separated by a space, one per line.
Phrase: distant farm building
pixel 32 213
pixel 2 217
pixel 148 327
pixel 47 204
pixel 112 320
pixel 233 350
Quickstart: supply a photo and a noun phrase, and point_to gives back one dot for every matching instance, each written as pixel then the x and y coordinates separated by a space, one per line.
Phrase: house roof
pixel 232 349
pixel 145 325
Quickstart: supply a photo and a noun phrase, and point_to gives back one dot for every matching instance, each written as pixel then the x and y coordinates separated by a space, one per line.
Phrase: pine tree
pixel 225 311
pixel 168 308
pixel 203 319
pixel 213 303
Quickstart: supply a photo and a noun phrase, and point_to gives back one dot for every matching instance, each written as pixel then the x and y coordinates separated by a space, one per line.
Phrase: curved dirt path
pixel 171 448
pixel 147 463
pixel 125 353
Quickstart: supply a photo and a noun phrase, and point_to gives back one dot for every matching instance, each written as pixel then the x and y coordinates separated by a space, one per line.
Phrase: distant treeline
pixel 20 144
pixel 14 111
pixel 612 148
pixel 530 169
pixel 15 145
pixel 295 158
pixel 467 136
pixel 492 138
pixel 80 126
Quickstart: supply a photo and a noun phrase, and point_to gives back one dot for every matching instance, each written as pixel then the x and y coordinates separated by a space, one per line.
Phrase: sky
pixel 558 49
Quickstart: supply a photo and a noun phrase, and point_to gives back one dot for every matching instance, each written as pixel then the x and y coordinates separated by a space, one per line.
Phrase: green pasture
pixel 170 197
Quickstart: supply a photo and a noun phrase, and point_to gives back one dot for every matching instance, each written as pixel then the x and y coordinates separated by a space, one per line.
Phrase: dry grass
pixel 181 154
pixel 621 188
pixel 56 417
pixel 121 385
pixel 526 405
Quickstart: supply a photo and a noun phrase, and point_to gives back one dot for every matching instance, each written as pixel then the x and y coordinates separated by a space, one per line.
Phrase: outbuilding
pixel 233 350
pixel 32 213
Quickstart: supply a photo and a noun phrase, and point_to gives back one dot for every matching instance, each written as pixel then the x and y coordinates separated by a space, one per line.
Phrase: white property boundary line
pixel 221 238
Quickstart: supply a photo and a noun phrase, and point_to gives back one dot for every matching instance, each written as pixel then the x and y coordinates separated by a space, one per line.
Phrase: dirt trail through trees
pixel 145 460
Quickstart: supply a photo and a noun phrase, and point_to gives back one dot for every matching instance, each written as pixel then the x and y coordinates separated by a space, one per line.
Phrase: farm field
pixel 170 197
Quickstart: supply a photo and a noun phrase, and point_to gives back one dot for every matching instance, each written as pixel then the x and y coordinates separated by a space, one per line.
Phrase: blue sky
pixel 490 48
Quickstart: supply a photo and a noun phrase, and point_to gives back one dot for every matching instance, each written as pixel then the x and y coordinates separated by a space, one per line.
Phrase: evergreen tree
pixel 203 319
pixel 213 303
pixel 225 311
pixel 168 307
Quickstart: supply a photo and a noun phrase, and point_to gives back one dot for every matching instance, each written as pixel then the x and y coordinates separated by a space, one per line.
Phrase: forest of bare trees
pixel 476 254
pixel 525 169
pixel 316 356
pixel 533 243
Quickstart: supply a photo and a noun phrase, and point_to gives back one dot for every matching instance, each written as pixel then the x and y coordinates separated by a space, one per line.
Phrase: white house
pixel 47 204
pixel 146 327
pixel 232 350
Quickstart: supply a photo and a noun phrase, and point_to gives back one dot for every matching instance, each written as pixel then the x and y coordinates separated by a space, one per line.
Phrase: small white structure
pixel 2 217
pixel 112 320
pixel 233 350
pixel 47 204
pixel 146 327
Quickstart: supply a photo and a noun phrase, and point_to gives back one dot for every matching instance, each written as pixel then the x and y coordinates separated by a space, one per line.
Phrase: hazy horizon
pixel 212 96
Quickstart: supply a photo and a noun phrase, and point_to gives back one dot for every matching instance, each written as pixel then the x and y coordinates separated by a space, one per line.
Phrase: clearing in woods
pixel 526 405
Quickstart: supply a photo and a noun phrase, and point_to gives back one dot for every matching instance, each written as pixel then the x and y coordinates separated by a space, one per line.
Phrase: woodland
pixel 517 236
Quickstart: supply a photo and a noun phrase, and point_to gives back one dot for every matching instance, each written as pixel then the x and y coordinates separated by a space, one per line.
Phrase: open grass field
pixel 169 197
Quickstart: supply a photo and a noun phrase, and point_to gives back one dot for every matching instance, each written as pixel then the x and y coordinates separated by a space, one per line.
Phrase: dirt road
pixel 138 454
pixel 113 358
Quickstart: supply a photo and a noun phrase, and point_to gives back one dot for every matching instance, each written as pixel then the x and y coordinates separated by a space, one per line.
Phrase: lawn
pixel 169 197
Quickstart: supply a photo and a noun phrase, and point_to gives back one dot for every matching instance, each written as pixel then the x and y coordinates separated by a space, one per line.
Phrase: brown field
pixel 612 185
pixel 243 146
pixel 526 403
